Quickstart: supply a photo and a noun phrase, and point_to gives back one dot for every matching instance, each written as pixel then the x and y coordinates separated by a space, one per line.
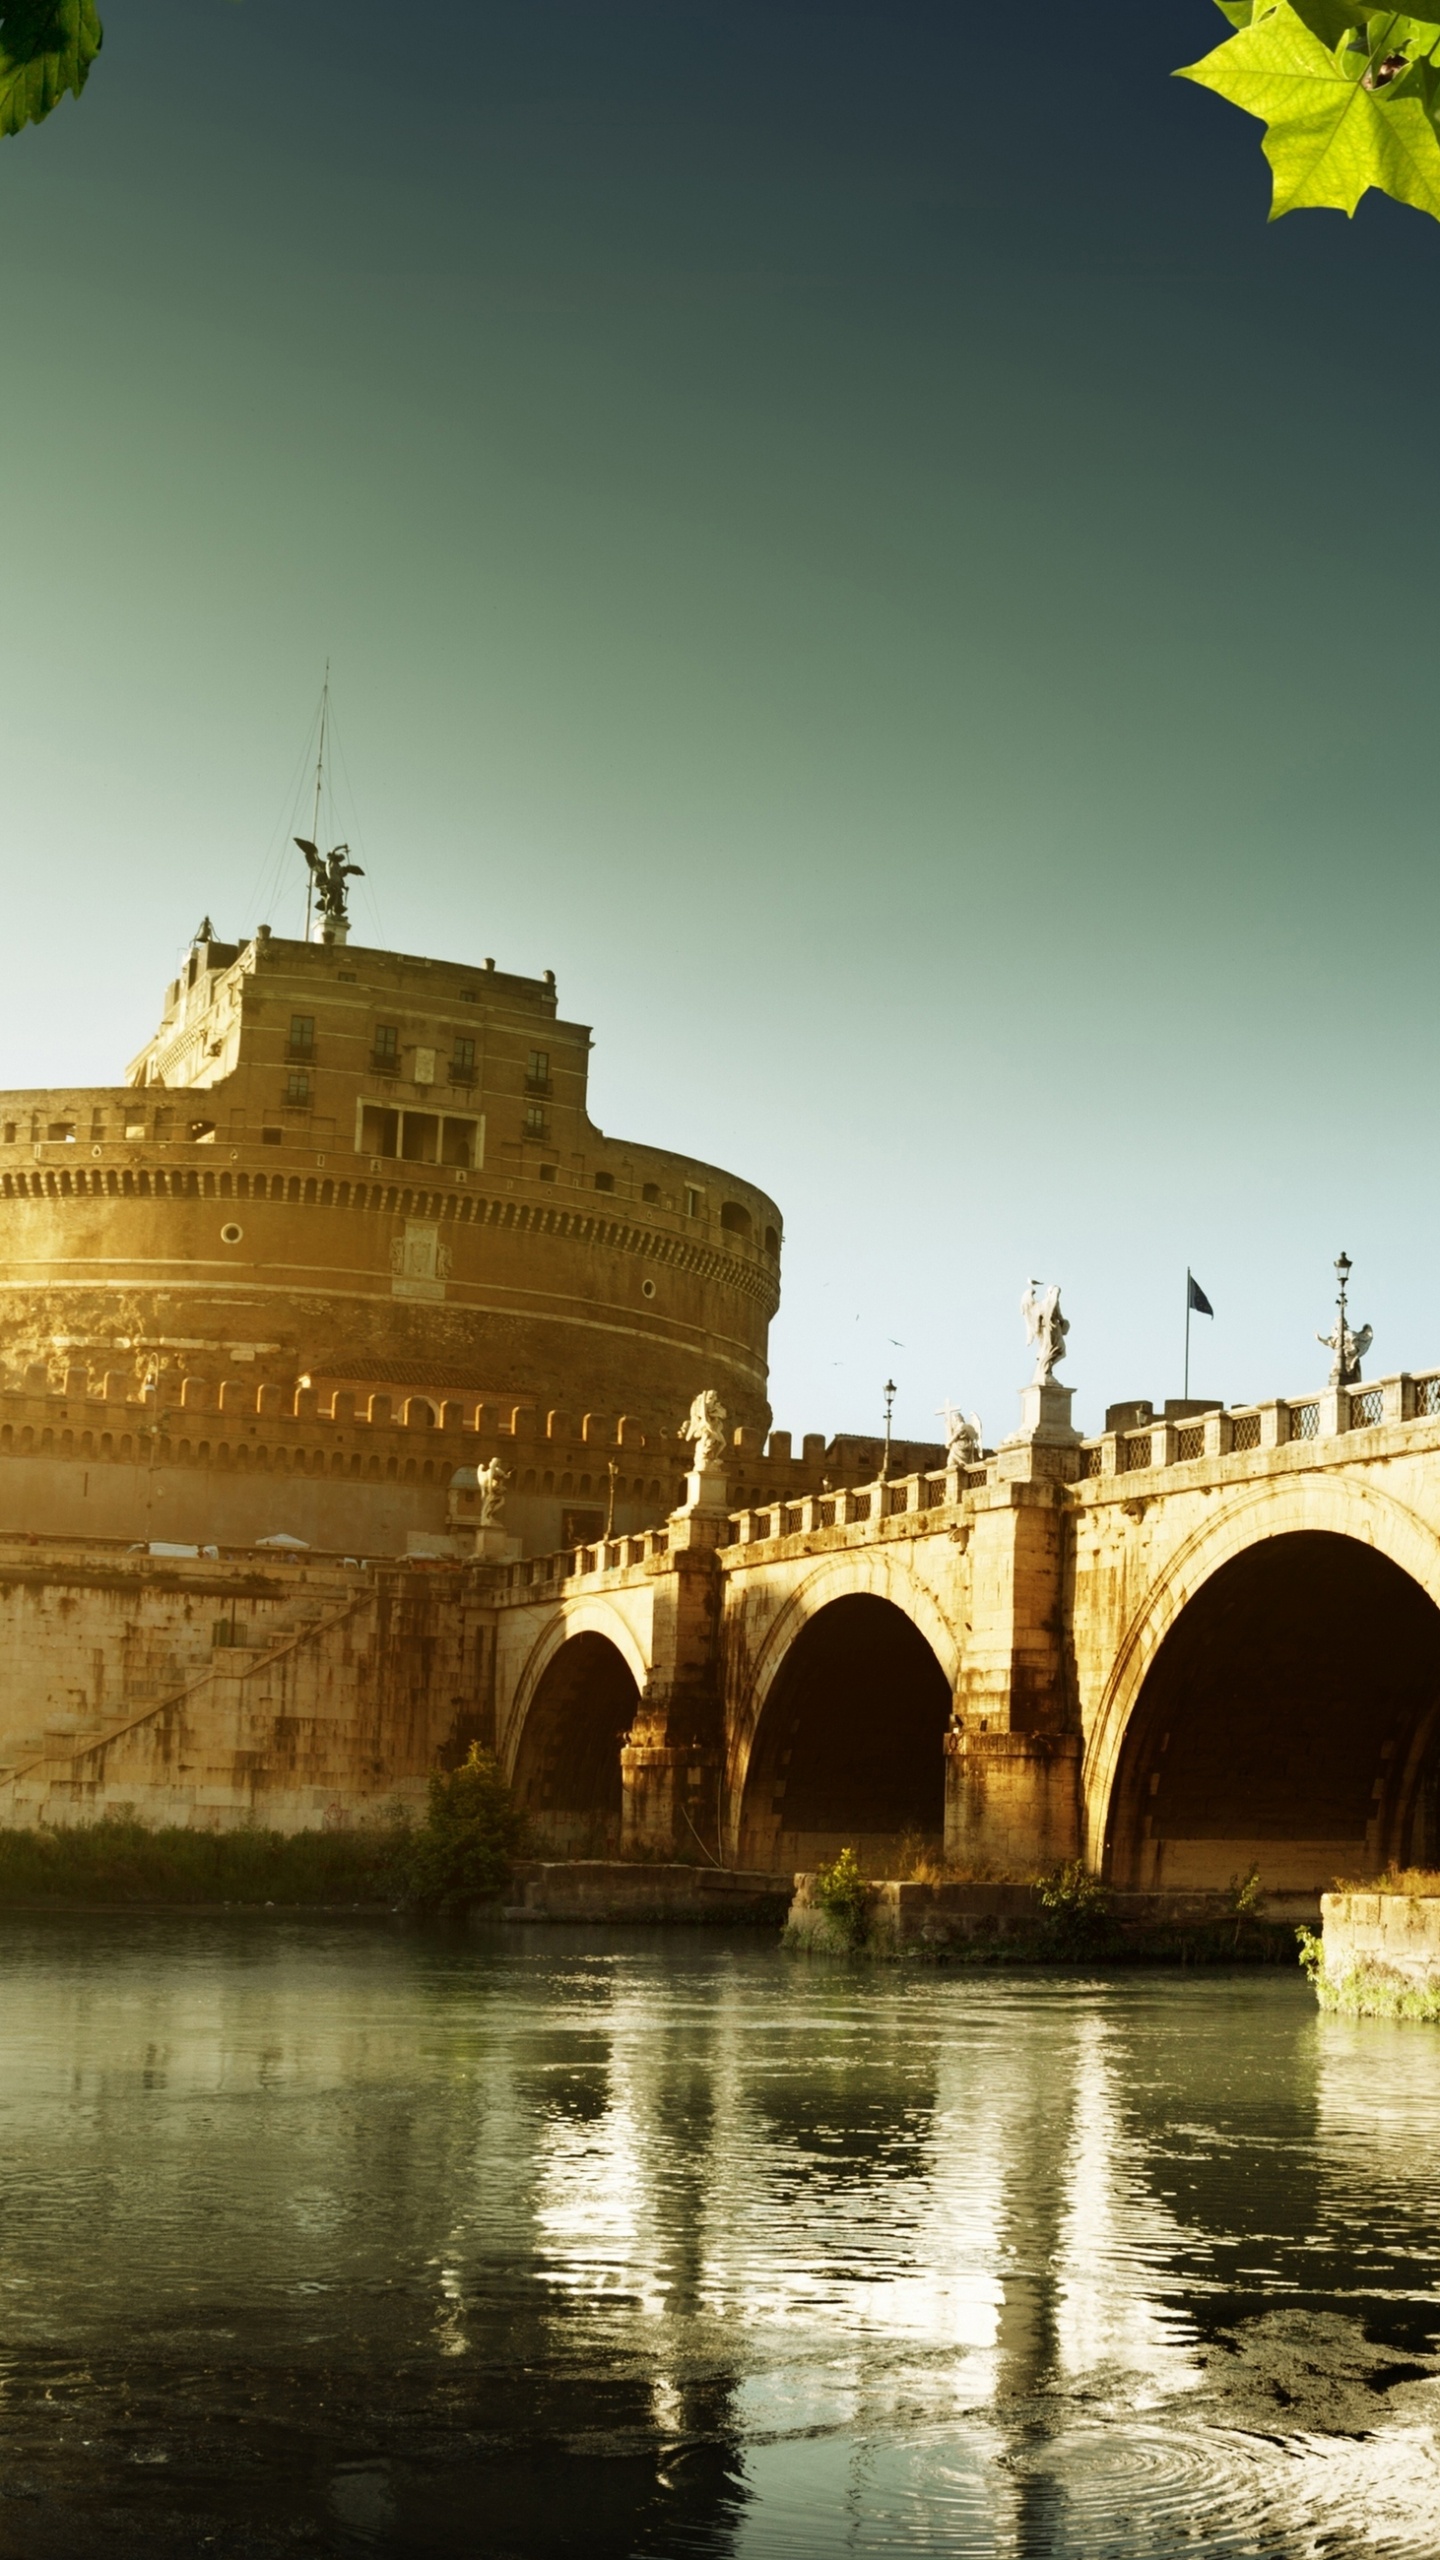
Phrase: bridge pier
pixel 670 1801
pixel 1012 1764
pixel 670 1764
pixel 1012 1800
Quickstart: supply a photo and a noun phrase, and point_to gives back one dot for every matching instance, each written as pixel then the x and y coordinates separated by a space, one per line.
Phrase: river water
pixel 336 2238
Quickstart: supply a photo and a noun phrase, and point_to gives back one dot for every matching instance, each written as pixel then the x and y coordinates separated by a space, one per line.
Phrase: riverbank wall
pixel 612 1889
pixel 1015 1922
pixel 1379 1955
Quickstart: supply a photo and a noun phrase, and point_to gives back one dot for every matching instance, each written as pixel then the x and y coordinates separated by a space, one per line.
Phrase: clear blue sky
pixel 853 544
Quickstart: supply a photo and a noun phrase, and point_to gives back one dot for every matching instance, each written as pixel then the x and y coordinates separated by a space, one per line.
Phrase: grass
pixel 1413 1881
pixel 119 1861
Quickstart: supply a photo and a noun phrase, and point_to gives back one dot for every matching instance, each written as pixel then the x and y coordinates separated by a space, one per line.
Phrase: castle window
pixel 772 1241
pixel 604 1181
pixel 735 1218
pixel 462 1064
pixel 457 1142
pixel 547 1173
pixel 379 1131
pixel 419 1137
pixel 692 1201
pixel 9 1133
pixel 536 1124
pixel 651 1191
pixel 384 1052
pixel 537 1073
pixel 271 1137
pixel 301 1043
pixel 297 1089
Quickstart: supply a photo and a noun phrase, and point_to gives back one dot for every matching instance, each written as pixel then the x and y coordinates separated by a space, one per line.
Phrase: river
pixel 342 2238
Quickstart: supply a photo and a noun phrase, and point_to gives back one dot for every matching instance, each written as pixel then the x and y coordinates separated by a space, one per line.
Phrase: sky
pixel 839 529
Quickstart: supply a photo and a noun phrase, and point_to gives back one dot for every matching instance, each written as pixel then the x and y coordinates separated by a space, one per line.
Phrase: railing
pixel 1359 1408
pixel 1307 1418
pixel 606 1555
pixel 853 1506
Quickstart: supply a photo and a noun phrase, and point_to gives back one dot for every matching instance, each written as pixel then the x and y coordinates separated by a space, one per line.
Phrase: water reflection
pixel 351 2240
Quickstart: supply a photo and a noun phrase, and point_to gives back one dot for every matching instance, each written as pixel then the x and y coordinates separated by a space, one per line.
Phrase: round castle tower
pixel 358 1171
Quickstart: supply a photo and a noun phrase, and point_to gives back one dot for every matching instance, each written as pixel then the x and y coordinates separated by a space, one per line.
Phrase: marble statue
pixel 492 1483
pixel 962 1439
pixel 705 1425
pixel 1045 1327
pixel 1348 1350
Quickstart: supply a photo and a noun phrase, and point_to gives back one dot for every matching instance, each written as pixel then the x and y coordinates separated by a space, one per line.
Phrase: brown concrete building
pixel 361 1191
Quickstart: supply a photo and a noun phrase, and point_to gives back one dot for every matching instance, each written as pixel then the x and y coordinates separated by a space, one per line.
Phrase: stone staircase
pixel 54 1774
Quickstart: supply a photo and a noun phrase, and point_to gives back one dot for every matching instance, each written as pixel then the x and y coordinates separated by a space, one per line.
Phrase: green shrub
pixel 472 1832
pixel 119 1860
pixel 1074 1911
pixel 841 1892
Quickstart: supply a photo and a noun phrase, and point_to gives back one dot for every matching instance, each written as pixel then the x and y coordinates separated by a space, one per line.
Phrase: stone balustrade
pixel 1159 1444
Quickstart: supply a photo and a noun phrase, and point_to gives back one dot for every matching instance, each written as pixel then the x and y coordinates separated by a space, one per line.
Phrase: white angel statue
pixel 963 1440
pixel 1347 1354
pixel 492 1483
pixel 1045 1327
pixel 705 1425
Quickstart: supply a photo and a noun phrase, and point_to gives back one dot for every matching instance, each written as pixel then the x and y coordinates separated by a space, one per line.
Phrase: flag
pixel 1197 1298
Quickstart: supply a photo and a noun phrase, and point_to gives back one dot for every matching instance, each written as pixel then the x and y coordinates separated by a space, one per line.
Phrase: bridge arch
pixel 575 1704
pixel 1276 1697
pixel 839 1738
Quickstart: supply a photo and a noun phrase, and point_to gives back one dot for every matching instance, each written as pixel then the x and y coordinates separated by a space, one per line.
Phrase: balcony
pixel 538 1084
pixel 300 1052
pixel 466 1076
pixel 383 1062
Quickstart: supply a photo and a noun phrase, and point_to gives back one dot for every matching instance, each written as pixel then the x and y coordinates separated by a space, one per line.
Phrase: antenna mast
pixel 319 779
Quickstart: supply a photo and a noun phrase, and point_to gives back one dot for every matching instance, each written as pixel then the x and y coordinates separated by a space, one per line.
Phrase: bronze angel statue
pixel 330 872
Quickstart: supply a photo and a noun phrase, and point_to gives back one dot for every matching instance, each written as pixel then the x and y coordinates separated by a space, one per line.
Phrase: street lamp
pixel 889 1408
pixel 1344 1368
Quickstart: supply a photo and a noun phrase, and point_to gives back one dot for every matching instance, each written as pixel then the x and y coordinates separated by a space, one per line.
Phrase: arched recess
pixel 848 1750
pixel 1289 1718
pixel 566 1773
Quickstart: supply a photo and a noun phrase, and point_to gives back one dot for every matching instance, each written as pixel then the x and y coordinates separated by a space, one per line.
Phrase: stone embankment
pixel 1014 1922
pixel 1378 1955
pixel 616 1889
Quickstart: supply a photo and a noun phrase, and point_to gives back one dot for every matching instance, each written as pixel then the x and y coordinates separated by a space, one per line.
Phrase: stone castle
pixel 346 1228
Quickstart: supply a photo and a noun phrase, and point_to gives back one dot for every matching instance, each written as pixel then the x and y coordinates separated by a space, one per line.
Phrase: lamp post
pixel 889 1408
pixel 1344 1367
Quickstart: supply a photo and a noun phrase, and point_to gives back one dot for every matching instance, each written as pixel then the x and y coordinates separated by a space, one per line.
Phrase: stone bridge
pixel 1174 1651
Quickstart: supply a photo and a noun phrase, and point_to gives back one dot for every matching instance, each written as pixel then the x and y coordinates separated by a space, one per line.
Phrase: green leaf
pixel 46 47
pixel 1328 138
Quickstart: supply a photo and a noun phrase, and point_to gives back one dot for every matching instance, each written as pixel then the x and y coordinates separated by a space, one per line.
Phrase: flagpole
pixel 1187 1333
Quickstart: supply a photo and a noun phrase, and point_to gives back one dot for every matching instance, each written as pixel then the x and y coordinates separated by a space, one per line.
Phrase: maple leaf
pixel 1341 117
pixel 46 47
